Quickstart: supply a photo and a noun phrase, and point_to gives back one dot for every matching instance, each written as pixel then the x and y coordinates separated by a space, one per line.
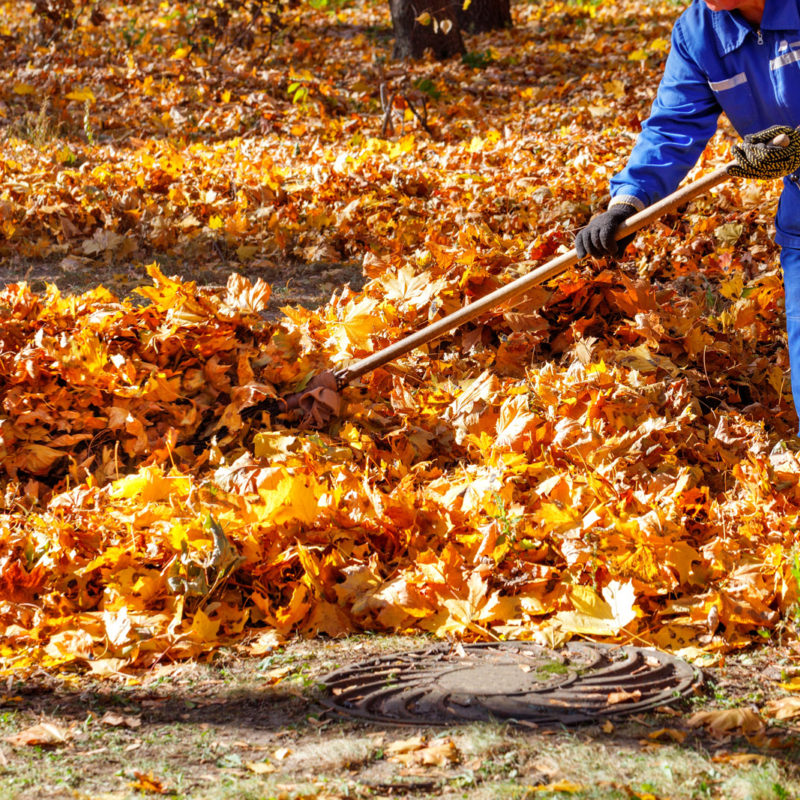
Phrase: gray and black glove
pixel 597 238
pixel 758 157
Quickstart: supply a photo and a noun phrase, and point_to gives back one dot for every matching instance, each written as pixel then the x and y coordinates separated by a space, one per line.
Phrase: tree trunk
pixel 420 25
pixel 483 15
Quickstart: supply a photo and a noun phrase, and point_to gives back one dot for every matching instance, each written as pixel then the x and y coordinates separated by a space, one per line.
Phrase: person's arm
pixel 682 120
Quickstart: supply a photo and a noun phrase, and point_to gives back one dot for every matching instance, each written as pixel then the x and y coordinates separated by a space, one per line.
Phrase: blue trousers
pixel 790 263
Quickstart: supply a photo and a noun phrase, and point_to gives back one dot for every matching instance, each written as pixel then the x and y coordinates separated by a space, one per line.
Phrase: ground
pixel 243 727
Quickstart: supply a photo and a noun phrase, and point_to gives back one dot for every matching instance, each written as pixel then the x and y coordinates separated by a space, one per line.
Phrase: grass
pixel 36 128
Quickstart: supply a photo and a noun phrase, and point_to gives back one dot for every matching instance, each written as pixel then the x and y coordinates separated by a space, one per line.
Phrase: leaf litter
pixel 606 459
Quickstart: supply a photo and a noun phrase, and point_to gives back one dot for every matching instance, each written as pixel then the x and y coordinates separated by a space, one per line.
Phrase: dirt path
pixel 253 728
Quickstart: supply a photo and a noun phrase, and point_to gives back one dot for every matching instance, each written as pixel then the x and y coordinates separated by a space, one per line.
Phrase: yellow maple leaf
pixel 516 423
pixel 358 322
pixel 82 95
pixel 203 628
pixel 596 615
pixel 294 498
pixel 150 484
pixel 558 786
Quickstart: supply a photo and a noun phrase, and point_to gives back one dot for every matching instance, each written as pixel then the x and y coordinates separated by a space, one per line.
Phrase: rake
pixel 320 400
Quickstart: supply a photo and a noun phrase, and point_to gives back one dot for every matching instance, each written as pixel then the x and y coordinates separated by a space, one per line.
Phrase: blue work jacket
pixel 719 62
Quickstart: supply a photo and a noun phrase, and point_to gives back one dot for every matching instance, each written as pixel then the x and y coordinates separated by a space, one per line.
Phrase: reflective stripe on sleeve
pixel 627 200
pixel 786 58
pixel 729 83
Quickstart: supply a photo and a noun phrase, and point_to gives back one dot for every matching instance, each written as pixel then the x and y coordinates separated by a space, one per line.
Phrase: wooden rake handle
pixel 518 287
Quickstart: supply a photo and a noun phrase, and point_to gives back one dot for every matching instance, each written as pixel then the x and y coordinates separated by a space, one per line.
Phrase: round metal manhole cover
pixel 510 682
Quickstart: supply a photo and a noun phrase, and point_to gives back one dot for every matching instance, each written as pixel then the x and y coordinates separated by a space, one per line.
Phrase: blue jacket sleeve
pixel 682 120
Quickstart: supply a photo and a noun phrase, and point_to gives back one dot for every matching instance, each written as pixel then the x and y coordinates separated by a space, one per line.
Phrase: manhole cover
pixel 508 681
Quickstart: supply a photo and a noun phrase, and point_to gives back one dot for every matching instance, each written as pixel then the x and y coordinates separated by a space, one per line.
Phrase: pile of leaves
pixel 606 459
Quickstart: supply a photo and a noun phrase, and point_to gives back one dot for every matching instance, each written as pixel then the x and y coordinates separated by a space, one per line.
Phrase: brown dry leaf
pixel 671 734
pixel 774 741
pixel 277 674
pixel 403 746
pixel 107 667
pixel 119 720
pixel 739 759
pixel 45 734
pixel 783 708
pixel 439 753
pixel 266 642
pixel 623 696
pixel 738 721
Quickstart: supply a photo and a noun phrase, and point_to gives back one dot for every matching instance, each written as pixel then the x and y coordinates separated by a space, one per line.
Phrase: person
pixel 741 57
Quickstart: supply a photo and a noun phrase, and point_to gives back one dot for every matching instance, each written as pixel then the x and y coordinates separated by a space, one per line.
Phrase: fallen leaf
pixel 623 696
pixel 783 708
pixel 668 733
pixel 148 783
pixel 277 674
pixel 119 720
pixel 739 759
pixel 106 667
pixel 266 642
pixel 559 786
pixel 720 723
pixel 417 752
pixel 45 734
pixel 405 745
pixel 260 767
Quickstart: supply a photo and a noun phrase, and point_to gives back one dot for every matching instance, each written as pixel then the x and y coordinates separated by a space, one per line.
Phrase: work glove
pixel 757 157
pixel 597 238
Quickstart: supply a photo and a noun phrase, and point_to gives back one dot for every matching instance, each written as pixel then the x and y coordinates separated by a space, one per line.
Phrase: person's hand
pixel 758 157
pixel 597 238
